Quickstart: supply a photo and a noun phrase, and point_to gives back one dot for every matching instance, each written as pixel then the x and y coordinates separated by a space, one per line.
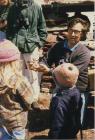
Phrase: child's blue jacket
pixel 65 110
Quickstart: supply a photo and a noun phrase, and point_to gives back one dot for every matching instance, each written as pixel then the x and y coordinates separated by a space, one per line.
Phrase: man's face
pixel 4 2
pixel 75 33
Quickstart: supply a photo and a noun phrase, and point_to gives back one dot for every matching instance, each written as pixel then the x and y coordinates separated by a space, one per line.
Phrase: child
pixel 16 95
pixel 66 103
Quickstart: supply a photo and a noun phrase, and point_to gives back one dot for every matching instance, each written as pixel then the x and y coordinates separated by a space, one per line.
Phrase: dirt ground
pixel 39 121
pixel 87 135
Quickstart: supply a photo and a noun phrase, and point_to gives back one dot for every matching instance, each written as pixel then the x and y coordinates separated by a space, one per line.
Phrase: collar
pixel 63 91
pixel 67 47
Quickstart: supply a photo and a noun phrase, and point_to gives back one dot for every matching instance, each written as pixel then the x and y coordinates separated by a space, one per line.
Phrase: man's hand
pixel 33 65
pixel 36 66
pixel 43 68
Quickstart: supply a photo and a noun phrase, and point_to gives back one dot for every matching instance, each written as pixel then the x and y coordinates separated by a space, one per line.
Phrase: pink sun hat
pixel 8 51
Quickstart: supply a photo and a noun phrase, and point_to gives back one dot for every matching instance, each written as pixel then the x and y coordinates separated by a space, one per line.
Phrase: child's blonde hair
pixel 10 66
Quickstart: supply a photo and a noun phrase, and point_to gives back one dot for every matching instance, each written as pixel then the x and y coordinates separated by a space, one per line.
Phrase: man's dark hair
pixel 75 21
pixel 84 17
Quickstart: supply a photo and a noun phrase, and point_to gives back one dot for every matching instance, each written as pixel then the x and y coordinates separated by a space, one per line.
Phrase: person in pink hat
pixel 16 95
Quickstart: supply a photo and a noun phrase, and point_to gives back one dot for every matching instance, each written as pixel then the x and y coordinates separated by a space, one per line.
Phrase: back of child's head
pixel 66 74
pixel 9 62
